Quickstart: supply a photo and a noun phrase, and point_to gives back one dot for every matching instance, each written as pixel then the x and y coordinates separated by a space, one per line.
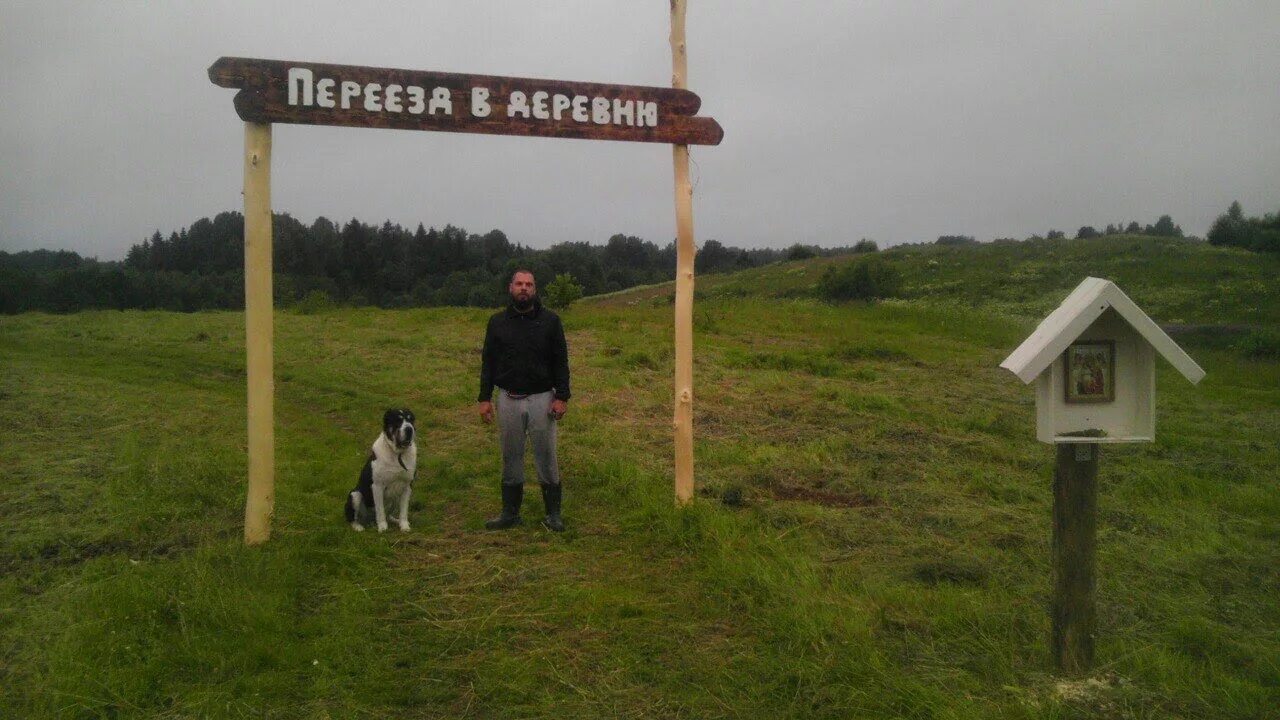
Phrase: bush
pixel 313 302
pixel 1261 345
pixel 562 291
pixel 866 246
pixel 869 279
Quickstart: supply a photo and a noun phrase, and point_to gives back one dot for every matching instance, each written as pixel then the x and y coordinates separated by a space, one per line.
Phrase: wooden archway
pixel 277 91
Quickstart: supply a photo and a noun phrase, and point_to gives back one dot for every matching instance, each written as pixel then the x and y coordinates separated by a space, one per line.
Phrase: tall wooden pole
pixel 1075 523
pixel 684 277
pixel 258 306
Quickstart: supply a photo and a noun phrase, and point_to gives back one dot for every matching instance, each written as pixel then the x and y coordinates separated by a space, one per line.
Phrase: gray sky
pixel 898 121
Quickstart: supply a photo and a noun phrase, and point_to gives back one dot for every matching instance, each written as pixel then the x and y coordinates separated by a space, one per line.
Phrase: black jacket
pixel 525 353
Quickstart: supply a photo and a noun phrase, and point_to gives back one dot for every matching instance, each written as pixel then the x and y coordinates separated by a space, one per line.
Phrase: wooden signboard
pixel 281 91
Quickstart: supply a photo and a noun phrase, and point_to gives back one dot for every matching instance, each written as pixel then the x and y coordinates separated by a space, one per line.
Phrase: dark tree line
pixel 202 267
pixel 1253 233
pixel 1163 227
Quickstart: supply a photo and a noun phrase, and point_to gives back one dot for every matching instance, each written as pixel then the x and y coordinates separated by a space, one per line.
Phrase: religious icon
pixel 1091 372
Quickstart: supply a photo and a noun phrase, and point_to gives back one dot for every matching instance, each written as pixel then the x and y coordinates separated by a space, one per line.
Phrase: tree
pixel 713 256
pixel 1055 235
pixel 1260 234
pixel 1230 228
pixel 562 292
pixel 1086 232
pixel 865 246
pixel 1164 227
pixel 800 252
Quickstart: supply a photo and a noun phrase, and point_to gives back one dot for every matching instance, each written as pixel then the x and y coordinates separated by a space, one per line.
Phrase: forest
pixel 201 267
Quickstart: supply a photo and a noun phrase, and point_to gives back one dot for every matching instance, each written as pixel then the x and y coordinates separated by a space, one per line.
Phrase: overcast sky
pixel 897 121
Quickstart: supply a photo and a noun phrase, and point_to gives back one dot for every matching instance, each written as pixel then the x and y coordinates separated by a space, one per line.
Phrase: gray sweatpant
pixel 527 416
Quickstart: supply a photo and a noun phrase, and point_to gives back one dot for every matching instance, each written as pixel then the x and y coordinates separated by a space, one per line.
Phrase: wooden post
pixel 258 306
pixel 1075 507
pixel 683 421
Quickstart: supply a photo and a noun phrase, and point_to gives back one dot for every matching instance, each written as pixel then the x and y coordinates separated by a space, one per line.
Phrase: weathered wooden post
pixel 1093 362
pixel 258 307
pixel 308 93
pixel 683 420
pixel 1075 523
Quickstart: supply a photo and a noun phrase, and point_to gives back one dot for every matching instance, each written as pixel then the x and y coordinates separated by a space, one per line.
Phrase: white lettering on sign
pixel 300 79
pixel 350 89
pixel 624 110
pixel 372 101
pixel 417 96
pixel 392 101
pixel 480 102
pixel 648 114
pixel 540 105
pixel 518 104
pixel 600 111
pixel 559 104
pixel 304 89
pixel 440 101
pixel 324 93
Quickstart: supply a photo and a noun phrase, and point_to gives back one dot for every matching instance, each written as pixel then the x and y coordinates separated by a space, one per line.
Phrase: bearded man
pixel 526 358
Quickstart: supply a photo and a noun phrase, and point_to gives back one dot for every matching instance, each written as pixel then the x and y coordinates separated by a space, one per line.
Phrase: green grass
pixel 1176 281
pixel 870 537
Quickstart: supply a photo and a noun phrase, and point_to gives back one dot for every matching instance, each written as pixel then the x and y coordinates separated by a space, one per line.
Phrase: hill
pixel 1180 282
pixel 870 537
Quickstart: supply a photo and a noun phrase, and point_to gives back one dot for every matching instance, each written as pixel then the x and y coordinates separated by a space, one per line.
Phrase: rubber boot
pixel 551 499
pixel 512 495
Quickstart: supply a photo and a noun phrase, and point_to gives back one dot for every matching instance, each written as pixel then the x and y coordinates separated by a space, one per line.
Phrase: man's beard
pixel 522 305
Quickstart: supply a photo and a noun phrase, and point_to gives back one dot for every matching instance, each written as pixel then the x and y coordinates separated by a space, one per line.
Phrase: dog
pixel 388 474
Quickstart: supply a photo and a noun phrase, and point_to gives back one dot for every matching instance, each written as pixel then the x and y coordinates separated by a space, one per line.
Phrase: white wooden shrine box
pixel 1100 315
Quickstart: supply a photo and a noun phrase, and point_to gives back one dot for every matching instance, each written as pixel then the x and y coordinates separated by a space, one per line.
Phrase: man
pixel 525 356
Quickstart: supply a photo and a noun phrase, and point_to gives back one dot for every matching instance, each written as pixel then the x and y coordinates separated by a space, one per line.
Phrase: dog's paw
pixel 404 526
pixel 357 527
pixel 382 527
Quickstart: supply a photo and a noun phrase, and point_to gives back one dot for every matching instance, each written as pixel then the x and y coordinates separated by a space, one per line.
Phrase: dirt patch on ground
pixel 827 498
pixel 65 553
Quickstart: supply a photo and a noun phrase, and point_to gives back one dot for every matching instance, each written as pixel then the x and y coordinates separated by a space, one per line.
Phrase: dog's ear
pixel 390 419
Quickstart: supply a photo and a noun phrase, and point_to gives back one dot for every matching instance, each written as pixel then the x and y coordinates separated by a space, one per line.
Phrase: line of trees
pixel 202 267
pixel 1163 227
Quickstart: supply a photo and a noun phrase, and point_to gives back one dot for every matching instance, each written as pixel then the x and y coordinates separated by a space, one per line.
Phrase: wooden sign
pixel 279 91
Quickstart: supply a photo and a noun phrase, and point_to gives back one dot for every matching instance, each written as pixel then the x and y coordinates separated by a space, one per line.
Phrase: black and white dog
pixel 388 473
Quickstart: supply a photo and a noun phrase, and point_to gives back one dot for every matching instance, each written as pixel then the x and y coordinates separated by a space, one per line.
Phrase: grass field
pixel 870 540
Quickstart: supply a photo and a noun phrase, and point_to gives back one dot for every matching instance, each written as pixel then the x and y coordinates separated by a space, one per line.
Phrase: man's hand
pixel 486 410
pixel 558 408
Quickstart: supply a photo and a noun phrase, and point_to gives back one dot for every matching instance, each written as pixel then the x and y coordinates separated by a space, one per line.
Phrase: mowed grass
pixel 870 537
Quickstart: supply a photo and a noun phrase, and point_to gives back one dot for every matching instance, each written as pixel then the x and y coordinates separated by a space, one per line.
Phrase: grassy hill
pixel 1176 281
pixel 870 539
